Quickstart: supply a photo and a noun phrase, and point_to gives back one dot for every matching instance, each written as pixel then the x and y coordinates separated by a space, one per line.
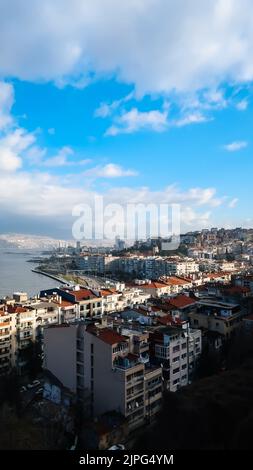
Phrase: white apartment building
pixel 90 303
pixel 7 341
pixel 19 326
pixel 178 350
pixel 153 267
pixel 181 268
pixel 98 263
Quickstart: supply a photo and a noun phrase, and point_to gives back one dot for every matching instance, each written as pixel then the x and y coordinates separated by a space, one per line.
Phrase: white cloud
pixel 242 105
pixel 61 159
pixel 191 118
pixel 235 146
pixel 11 147
pixel 51 131
pixel 38 157
pixel 158 45
pixel 232 204
pixel 18 140
pixel 135 120
pixel 6 102
pixel 43 197
pixel 107 109
pixel 109 171
pixel 9 161
pixel 35 155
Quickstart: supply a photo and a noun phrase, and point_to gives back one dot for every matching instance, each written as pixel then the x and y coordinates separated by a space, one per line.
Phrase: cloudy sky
pixel 140 101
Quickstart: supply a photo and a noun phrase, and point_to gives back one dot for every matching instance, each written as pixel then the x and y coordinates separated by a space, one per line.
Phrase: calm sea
pixel 16 274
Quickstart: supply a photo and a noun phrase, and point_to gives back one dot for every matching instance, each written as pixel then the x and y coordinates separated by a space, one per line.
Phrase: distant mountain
pixel 28 242
pixel 4 244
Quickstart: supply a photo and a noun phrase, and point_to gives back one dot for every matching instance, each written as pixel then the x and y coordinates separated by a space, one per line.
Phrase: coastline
pixel 51 276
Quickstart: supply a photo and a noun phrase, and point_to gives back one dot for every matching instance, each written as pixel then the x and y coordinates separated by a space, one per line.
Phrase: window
pixel 175 371
pixel 176 349
pixel 176 359
pixel 184 366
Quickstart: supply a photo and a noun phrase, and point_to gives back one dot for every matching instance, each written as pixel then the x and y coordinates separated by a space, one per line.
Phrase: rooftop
pixel 16 309
pixel 108 335
pixel 181 301
pixel 82 294
pixel 176 281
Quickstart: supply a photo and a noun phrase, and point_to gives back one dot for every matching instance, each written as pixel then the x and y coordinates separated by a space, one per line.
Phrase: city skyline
pixel 156 120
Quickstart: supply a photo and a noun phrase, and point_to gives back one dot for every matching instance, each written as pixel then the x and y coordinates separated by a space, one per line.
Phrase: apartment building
pixel 97 364
pixel 89 302
pixel 179 306
pixel 91 263
pixel 177 284
pixel 154 288
pixel 19 327
pixel 85 303
pixel 218 316
pixel 98 263
pixel 244 281
pixel 178 350
pixel 181 268
pixel 7 342
pixel 131 265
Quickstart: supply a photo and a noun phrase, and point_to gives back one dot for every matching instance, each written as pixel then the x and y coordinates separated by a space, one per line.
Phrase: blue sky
pixel 132 110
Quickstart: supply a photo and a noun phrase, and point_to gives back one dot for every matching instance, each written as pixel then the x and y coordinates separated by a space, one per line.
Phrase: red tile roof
pixel 181 301
pixel 82 294
pixel 169 320
pixel 166 320
pixel 107 292
pixel 14 309
pixel 153 285
pixel 176 281
pixel 64 303
pixel 109 336
pixel 217 275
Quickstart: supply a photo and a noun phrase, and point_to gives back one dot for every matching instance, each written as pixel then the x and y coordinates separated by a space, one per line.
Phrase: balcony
pixel 79 358
pixel 79 345
pixel 4 352
pixel 5 324
pixel 134 406
pixel 134 381
pixel 162 352
pixel 125 363
pixel 135 392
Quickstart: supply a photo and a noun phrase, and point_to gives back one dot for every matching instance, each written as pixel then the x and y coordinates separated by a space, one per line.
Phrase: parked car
pixel 39 391
pixel 23 389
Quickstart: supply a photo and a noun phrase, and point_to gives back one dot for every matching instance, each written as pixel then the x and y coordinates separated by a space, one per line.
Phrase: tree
pixel 209 362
